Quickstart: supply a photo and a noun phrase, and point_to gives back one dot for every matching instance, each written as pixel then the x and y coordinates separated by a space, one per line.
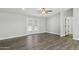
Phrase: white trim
pixel 53 33
pixel 18 36
pixel 62 35
pixel 31 34
pixel 11 37
pixel 75 38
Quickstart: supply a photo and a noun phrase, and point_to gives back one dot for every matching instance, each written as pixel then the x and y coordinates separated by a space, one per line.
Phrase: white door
pixel 36 25
pixel 32 26
pixel 68 25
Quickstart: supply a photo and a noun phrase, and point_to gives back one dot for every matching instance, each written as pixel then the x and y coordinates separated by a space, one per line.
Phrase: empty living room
pixel 39 29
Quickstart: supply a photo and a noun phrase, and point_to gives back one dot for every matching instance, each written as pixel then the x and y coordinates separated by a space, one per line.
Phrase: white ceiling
pixel 32 11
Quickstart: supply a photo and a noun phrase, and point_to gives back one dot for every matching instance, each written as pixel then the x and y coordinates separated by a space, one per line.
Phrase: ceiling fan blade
pixel 49 11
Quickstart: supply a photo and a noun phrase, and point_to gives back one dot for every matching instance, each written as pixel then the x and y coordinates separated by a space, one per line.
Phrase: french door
pixel 68 26
pixel 32 26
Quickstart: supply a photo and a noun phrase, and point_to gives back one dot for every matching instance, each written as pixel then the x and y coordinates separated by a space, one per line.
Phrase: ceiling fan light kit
pixel 44 11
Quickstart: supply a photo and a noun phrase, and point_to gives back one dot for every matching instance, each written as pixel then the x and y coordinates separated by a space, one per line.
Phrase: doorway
pixel 69 26
pixel 32 26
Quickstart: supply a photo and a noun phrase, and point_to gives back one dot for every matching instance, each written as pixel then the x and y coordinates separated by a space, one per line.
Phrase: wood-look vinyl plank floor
pixel 43 41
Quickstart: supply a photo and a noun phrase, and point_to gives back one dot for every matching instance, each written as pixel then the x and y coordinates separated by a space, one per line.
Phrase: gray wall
pixel 76 23
pixel 11 25
pixel 53 24
pixel 14 25
pixel 68 13
pixel 63 15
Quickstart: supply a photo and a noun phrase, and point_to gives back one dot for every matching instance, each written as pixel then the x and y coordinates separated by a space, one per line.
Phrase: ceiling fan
pixel 45 11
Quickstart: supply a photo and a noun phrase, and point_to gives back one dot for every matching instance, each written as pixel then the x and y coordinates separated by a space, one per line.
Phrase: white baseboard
pixel 75 38
pixel 17 36
pixel 62 35
pixel 11 37
pixel 28 34
pixel 53 33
